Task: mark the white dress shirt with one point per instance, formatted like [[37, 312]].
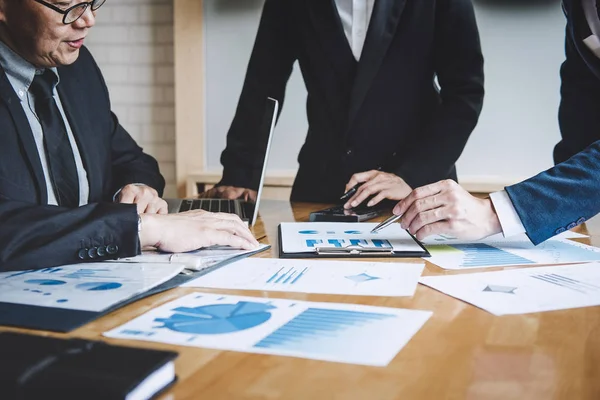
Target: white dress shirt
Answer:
[[355, 16], [509, 219]]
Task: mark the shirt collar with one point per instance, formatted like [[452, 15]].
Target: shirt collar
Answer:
[[19, 71]]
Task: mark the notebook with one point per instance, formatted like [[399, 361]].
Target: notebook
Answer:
[[246, 210], [38, 367]]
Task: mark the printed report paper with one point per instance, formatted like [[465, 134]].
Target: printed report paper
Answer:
[[345, 333], [312, 276], [527, 290]]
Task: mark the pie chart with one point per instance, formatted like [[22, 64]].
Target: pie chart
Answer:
[[98, 286], [45, 282], [215, 319]]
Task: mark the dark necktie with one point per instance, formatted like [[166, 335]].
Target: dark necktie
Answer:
[[59, 154]]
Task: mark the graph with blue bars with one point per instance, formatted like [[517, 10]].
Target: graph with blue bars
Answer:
[[479, 254], [287, 276], [324, 331]]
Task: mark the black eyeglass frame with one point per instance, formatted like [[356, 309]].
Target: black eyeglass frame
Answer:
[[66, 12]]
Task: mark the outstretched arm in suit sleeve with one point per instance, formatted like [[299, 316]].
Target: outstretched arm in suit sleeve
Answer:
[[268, 71], [560, 198], [34, 236], [459, 68]]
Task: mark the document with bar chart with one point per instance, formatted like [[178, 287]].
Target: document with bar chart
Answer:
[[310, 276], [449, 253], [345, 333], [522, 291]]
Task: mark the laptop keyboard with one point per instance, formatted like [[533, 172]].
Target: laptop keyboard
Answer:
[[212, 205]]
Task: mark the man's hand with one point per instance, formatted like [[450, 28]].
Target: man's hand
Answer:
[[445, 207], [192, 230], [145, 197], [231, 193], [380, 185]]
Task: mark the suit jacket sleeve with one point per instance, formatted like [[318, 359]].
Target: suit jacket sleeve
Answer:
[[459, 68], [560, 198], [269, 69], [129, 163], [34, 236]]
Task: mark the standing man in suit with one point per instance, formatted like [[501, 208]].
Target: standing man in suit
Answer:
[[555, 200], [67, 168], [375, 111]]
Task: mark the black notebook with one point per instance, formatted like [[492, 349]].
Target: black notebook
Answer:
[[38, 367]]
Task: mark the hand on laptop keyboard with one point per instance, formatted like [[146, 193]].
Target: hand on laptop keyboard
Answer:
[[231, 193], [192, 230]]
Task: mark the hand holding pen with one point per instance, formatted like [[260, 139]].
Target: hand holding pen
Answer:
[[376, 184]]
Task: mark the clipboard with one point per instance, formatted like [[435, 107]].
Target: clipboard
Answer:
[[353, 251]]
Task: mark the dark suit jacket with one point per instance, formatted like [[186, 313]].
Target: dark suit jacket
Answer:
[[35, 235], [568, 194], [383, 111]]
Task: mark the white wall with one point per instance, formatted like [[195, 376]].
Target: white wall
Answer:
[[133, 45], [523, 47]]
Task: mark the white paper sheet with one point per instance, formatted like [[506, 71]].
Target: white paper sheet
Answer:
[[304, 237], [195, 260], [89, 287], [323, 331], [449, 253], [527, 290], [310, 276]]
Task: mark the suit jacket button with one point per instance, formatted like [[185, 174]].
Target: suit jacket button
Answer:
[[349, 152], [82, 254], [571, 225], [559, 230], [93, 252], [580, 221], [101, 251], [112, 249]]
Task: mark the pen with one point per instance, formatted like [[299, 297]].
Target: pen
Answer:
[[350, 192], [353, 189], [386, 223]]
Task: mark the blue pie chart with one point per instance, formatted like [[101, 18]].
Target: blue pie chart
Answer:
[[45, 282], [217, 318], [98, 286]]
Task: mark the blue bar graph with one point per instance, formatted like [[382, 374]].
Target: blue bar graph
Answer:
[[289, 277], [318, 330], [480, 255]]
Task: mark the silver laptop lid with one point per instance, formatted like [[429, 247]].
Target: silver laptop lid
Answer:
[[264, 147]]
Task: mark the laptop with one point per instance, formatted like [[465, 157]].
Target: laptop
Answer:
[[246, 210]]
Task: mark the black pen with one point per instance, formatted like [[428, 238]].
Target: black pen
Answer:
[[353, 189]]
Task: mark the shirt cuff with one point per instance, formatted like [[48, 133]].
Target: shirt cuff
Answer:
[[509, 219]]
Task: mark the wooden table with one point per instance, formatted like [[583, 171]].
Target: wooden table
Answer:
[[462, 352]]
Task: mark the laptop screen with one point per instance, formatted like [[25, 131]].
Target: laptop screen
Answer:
[[262, 148]]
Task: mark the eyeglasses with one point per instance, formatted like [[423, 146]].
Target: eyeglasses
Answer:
[[72, 14]]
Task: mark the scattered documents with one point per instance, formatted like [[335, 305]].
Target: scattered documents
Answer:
[[197, 260], [87, 287], [307, 237], [496, 251], [528, 290], [323, 331], [310, 276]]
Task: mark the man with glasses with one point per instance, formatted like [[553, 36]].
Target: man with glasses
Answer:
[[554, 201], [67, 168]]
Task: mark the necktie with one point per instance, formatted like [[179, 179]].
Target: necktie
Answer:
[[59, 154]]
